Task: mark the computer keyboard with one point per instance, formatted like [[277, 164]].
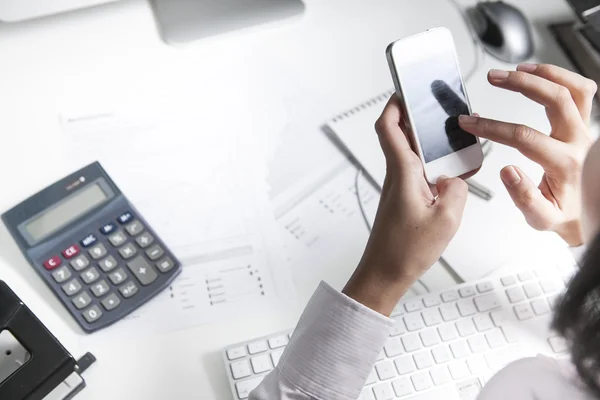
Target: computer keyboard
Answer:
[[452, 340]]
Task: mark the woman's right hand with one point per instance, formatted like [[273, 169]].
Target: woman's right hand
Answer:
[[554, 205]]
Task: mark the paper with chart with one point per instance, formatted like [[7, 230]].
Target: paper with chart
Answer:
[[204, 192]]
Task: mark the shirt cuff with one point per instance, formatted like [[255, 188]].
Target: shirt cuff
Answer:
[[334, 346]]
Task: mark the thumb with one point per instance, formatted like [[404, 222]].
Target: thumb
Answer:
[[452, 197]]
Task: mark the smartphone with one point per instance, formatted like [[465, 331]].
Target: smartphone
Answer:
[[430, 86]]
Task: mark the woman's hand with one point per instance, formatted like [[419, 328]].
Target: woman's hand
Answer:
[[412, 228], [554, 205]]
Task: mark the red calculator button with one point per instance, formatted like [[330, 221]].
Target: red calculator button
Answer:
[[52, 263], [71, 251]]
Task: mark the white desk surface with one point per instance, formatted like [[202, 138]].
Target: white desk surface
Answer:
[[104, 55]]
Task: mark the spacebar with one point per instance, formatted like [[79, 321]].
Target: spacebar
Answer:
[[467, 389]]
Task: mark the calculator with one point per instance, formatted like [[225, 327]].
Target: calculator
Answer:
[[92, 247]]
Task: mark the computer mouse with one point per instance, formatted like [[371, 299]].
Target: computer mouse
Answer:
[[503, 30]]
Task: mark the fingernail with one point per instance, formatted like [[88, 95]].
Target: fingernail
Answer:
[[498, 75], [526, 67], [467, 119], [510, 177]]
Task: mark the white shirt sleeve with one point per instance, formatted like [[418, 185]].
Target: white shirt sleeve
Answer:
[[331, 353]]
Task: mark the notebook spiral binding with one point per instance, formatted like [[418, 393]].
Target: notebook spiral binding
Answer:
[[369, 103]]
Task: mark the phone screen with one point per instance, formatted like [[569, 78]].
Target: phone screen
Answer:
[[435, 97]]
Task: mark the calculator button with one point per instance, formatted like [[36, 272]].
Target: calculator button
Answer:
[[52, 263], [97, 251], [142, 270], [89, 240], [128, 289], [125, 217], [111, 302], [90, 275], [82, 300], [80, 262], [117, 239], [108, 228], [134, 228], [92, 314], [72, 287], [61, 274], [127, 251], [165, 265], [99, 289], [108, 264], [144, 240], [118, 276], [71, 251], [155, 252]]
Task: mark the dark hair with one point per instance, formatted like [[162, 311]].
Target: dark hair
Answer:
[[577, 317]]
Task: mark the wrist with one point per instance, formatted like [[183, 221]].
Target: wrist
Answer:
[[571, 233]]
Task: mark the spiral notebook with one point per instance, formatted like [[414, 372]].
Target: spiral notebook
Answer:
[[492, 233]]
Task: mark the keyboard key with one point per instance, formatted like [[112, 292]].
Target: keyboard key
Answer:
[[423, 359], [499, 317], [540, 307], [477, 365], [128, 251], [483, 322], [92, 314], [134, 228], [495, 338], [97, 252], [421, 381], [510, 334], [82, 300], [440, 376], [118, 276], [404, 365], [550, 285], [80, 262], [515, 294], [478, 344], [144, 240], [441, 354], [385, 370], [62, 274], [108, 228], [460, 349], [372, 378], [402, 387], [485, 287], [111, 302], [155, 252], [236, 352], [88, 241], [125, 217], [532, 290], [276, 356], [398, 310], [466, 307], [429, 337], [448, 332], [52, 262], [459, 370], [413, 322], [128, 290], [257, 347], [143, 271], [413, 305], [449, 312], [449, 296], [398, 328], [117, 239], [278, 341], [366, 394], [525, 276], [108, 264], [244, 388], [431, 300], [523, 311], [487, 302], [383, 391], [393, 347], [261, 364], [508, 280], [467, 291], [70, 251], [240, 369], [165, 265], [72, 287], [466, 327], [558, 344], [99, 289], [432, 317], [90, 275], [411, 342]]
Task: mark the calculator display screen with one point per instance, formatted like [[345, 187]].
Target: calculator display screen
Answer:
[[66, 211]]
